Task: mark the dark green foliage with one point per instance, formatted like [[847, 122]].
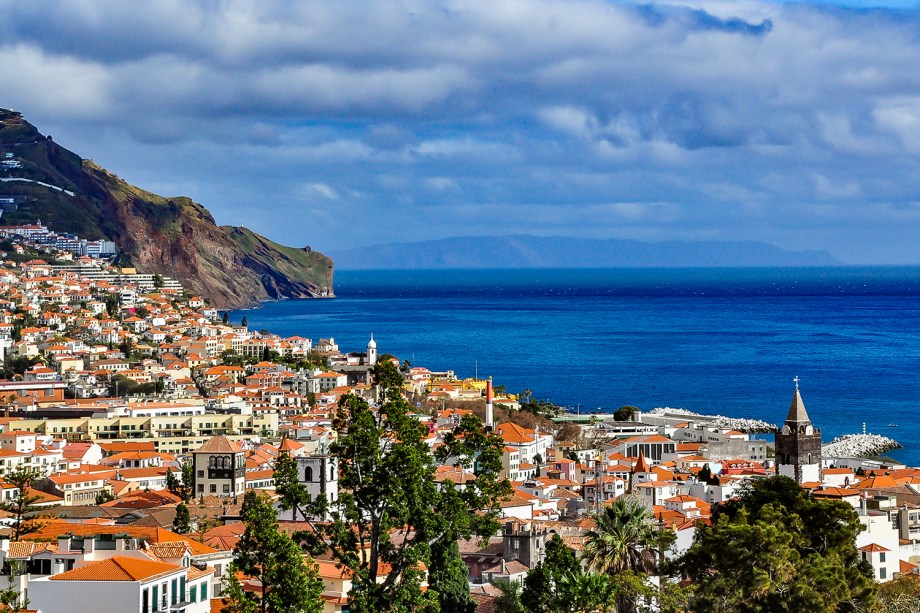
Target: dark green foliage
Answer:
[[776, 548], [104, 496], [448, 576], [510, 599], [290, 584], [538, 408], [234, 599], [181, 488], [391, 507], [22, 508], [388, 377], [182, 524], [625, 413], [551, 585]]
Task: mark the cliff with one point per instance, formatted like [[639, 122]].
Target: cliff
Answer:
[[230, 266]]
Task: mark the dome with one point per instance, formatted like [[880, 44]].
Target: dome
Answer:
[[372, 344]]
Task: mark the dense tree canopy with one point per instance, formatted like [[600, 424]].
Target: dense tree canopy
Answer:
[[776, 548], [392, 519], [289, 583]]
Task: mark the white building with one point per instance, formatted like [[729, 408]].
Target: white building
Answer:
[[123, 584]]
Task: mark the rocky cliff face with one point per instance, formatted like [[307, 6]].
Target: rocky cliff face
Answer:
[[232, 267]]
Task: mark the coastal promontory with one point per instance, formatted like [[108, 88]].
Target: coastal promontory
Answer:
[[173, 236]]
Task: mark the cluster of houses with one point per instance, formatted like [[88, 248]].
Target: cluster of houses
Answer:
[[229, 400], [63, 246]]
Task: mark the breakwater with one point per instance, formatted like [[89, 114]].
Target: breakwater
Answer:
[[742, 424], [859, 446]]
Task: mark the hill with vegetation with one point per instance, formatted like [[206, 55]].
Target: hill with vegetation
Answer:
[[173, 236]]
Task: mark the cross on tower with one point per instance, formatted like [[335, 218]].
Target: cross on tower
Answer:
[[796, 379]]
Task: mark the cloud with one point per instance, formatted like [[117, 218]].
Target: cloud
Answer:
[[413, 118]]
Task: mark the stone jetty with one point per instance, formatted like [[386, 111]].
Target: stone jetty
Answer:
[[859, 446], [741, 424]]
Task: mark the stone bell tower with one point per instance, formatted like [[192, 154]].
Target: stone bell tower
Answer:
[[798, 444]]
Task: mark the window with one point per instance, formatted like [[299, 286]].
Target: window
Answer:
[[204, 591], [175, 592], [156, 597], [881, 556], [883, 573], [308, 474], [201, 474], [226, 488], [213, 488]]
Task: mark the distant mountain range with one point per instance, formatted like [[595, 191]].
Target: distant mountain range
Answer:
[[525, 251]]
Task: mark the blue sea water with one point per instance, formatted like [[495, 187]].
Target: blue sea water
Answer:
[[725, 341]]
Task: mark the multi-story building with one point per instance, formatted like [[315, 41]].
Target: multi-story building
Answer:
[[169, 433], [219, 468]]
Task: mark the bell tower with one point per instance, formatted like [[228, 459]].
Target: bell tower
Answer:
[[798, 444], [371, 351]]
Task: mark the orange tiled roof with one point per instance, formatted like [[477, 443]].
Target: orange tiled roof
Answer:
[[119, 568]]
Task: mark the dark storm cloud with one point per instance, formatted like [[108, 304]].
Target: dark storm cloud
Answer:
[[376, 121]]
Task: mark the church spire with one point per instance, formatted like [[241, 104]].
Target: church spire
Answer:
[[641, 466], [797, 408]]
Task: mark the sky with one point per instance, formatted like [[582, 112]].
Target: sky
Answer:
[[347, 124]]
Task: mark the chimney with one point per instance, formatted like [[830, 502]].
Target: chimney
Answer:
[[489, 417]]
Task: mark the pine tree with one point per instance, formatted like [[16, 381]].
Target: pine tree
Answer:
[[22, 508], [234, 598], [183, 522], [181, 488], [290, 584], [775, 548], [391, 517]]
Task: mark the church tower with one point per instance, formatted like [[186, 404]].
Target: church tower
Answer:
[[798, 444], [371, 351]]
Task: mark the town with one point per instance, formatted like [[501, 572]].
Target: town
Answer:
[[138, 421]]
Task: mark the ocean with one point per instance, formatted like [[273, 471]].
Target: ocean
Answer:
[[725, 341]]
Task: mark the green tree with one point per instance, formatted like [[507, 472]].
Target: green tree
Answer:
[[388, 378], [158, 281], [391, 516], [776, 548], [104, 496], [127, 347], [510, 599], [289, 583], [225, 318], [625, 413], [22, 509], [10, 597], [901, 595], [551, 585], [448, 577], [182, 485], [182, 524], [120, 385], [245, 321], [234, 598], [622, 540]]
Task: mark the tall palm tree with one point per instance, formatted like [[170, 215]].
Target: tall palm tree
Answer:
[[623, 539]]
